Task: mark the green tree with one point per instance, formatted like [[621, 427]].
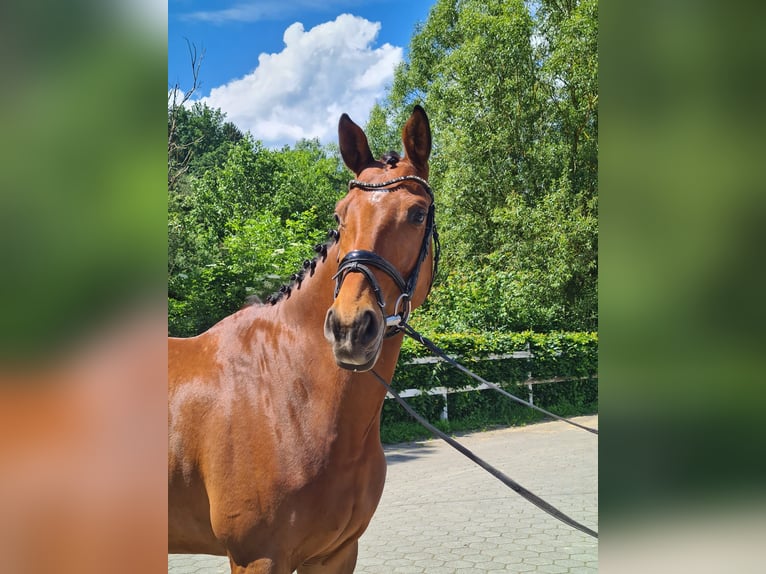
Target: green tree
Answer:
[[199, 138], [308, 176], [511, 90], [240, 226], [381, 136]]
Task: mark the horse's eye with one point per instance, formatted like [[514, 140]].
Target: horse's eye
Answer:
[[337, 218], [418, 216]]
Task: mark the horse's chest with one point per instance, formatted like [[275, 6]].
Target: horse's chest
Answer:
[[335, 490], [311, 507], [339, 505]]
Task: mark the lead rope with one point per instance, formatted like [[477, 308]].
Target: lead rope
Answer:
[[508, 481]]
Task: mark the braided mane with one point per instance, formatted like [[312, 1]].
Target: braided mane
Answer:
[[309, 265]]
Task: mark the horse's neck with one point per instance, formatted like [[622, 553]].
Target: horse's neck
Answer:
[[353, 399]]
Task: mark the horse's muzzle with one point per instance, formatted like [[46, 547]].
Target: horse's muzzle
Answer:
[[356, 341]]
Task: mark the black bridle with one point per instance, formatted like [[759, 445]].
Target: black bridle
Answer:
[[361, 261]]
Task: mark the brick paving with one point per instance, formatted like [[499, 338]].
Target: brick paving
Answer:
[[441, 514]]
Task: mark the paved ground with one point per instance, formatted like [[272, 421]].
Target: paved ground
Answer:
[[441, 514]]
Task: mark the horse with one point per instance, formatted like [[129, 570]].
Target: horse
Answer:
[[274, 448]]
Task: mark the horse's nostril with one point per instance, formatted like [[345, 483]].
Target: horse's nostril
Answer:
[[331, 327], [368, 327]]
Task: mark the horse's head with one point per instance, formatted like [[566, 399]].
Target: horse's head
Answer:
[[386, 227]]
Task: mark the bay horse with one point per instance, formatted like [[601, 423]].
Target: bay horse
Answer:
[[274, 450]]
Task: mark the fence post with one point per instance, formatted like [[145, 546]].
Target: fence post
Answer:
[[529, 376], [445, 414]]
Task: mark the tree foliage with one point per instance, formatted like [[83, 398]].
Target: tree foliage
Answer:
[[201, 136], [511, 89]]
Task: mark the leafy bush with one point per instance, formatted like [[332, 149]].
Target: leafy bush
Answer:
[[560, 354]]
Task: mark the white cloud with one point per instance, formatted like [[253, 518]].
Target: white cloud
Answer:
[[301, 91]]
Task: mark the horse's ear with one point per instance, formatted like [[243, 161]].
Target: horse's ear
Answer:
[[353, 145], [416, 137]]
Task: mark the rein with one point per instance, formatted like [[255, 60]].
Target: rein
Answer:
[[505, 479], [361, 260]]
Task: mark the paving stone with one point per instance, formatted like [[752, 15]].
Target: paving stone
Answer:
[[428, 564], [486, 565], [475, 548], [524, 568], [446, 569], [569, 563], [479, 546], [462, 564], [539, 561], [538, 548], [581, 556], [393, 562], [552, 569], [556, 555]]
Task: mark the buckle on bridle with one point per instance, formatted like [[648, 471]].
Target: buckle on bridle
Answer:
[[400, 317]]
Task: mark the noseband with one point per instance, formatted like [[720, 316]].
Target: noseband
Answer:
[[360, 260]]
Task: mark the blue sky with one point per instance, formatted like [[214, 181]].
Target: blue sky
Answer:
[[339, 57]]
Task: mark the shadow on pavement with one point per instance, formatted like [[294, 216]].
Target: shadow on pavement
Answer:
[[408, 451]]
